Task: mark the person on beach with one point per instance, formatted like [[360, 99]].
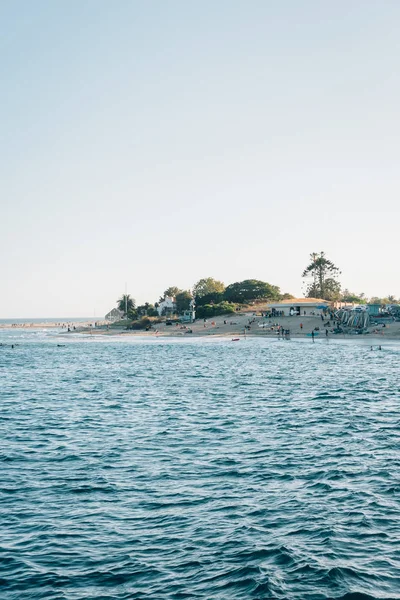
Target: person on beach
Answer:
[[312, 335], [301, 325], [326, 332]]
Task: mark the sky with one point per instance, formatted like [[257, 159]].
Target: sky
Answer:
[[153, 143]]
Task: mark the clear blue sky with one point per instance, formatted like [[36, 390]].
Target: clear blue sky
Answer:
[[161, 141]]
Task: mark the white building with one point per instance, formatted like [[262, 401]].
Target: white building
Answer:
[[114, 315], [299, 306], [167, 307]]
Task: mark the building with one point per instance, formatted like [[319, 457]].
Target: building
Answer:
[[114, 315], [299, 306], [189, 316], [374, 309], [166, 307]]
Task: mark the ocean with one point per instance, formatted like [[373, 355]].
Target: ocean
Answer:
[[46, 320], [144, 468]]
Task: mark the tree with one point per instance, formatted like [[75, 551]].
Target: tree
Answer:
[[348, 296], [286, 296], [183, 301], [171, 292], [133, 314], [212, 310], [376, 300], [146, 310], [251, 289], [213, 298], [323, 272], [207, 286], [126, 303], [332, 290]]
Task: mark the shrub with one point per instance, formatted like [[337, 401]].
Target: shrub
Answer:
[[213, 310], [143, 323], [212, 298], [119, 324]]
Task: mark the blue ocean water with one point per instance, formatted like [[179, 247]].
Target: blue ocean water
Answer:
[[170, 469]]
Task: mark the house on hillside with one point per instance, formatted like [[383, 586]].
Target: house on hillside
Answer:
[[167, 307], [299, 306], [114, 315]]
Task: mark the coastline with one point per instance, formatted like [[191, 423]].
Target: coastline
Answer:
[[240, 335], [47, 324], [300, 327]]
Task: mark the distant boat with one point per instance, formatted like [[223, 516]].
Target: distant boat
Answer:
[[235, 339]]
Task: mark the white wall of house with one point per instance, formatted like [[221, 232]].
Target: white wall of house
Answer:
[[300, 307], [168, 304]]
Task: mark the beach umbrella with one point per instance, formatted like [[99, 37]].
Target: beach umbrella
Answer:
[[322, 306]]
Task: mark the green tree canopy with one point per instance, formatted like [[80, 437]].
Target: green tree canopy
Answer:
[[171, 292], [207, 286], [126, 303], [212, 310], [183, 300], [376, 300], [133, 314], [387, 300], [348, 296], [323, 274], [146, 310], [250, 289], [213, 298], [286, 296]]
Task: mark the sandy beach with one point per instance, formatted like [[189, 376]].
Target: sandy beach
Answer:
[[234, 326]]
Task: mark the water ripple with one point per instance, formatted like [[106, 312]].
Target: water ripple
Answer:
[[199, 469]]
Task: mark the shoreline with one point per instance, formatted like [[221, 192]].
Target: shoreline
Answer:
[[236, 334], [51, 325], [239, 325]]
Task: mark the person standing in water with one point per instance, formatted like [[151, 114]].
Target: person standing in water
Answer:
[[312, 335]]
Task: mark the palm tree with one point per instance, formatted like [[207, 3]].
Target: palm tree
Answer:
[[126, 303]]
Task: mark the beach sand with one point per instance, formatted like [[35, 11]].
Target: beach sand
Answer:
[[235, 327]]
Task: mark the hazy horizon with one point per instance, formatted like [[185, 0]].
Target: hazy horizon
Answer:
[[159, 143]]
